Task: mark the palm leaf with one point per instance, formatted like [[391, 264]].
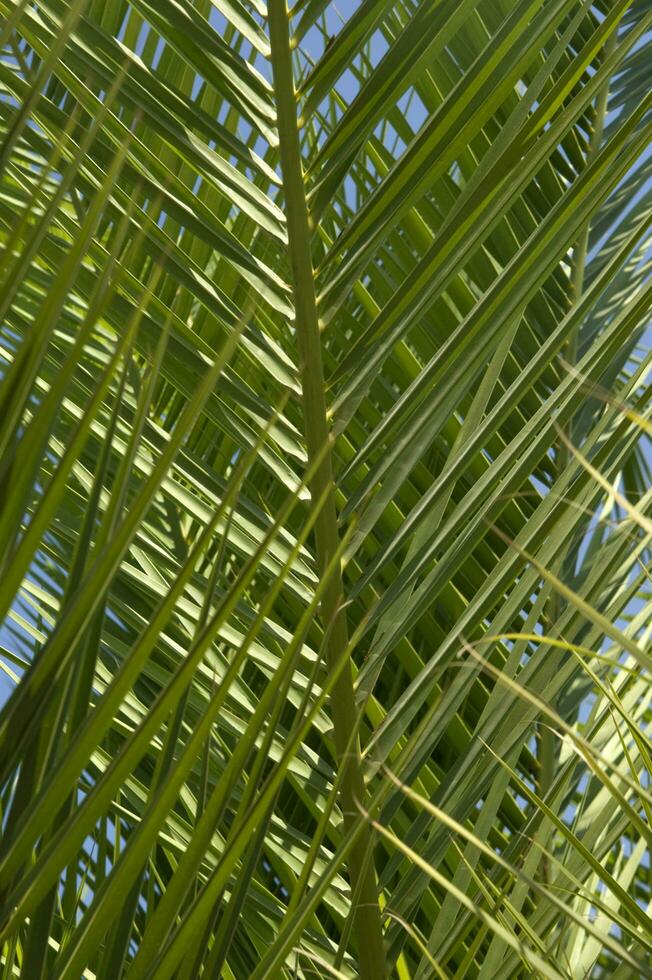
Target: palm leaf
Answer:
[[325, 489]]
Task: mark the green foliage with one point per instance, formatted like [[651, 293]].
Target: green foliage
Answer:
[[325, 499]]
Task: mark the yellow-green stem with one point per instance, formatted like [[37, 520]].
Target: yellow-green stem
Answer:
[[367, 926]]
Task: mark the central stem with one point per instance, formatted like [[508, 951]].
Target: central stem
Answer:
[[367, 927]]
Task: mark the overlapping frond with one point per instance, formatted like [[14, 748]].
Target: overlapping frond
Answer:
[[325, 488]]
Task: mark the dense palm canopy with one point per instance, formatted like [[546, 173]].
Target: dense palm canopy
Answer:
[[325, 502]]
